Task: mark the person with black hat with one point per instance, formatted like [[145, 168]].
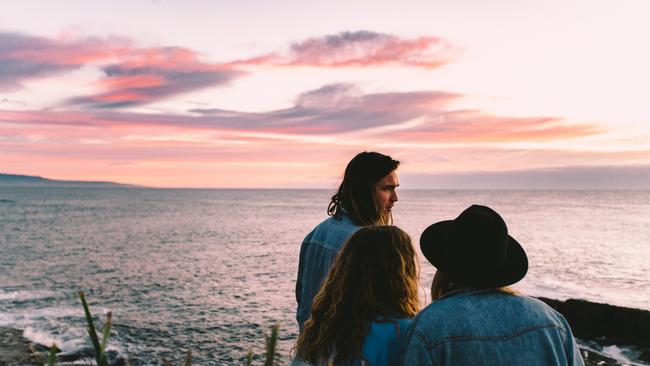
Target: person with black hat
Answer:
[[365, 198], [474, 318]]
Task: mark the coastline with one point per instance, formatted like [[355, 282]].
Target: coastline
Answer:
[[607, 335], [14, 351]]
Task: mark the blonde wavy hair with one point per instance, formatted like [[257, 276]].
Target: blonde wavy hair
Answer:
[[374, 275]]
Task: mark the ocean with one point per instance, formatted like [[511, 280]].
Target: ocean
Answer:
[[213, 270]]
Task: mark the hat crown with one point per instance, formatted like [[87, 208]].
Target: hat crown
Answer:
[[480, 233]]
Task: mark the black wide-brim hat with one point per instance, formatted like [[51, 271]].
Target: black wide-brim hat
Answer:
[[475, 249]]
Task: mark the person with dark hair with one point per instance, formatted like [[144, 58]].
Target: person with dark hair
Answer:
[[365, 197], [475, 319], [365, 303]]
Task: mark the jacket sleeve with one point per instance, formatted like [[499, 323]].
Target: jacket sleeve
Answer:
[[315, 263], [573, 354], [301, 269]]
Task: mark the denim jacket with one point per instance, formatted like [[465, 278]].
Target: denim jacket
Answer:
[[317, 254], [486, 327]]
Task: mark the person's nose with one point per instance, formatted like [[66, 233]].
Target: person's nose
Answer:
[[393, 197]]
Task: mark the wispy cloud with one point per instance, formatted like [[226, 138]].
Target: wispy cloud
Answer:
[[150, 75], [24, 57], [131, 75], [413, 117], [476, 126], [422, 116], [361, 49], [337, 108]]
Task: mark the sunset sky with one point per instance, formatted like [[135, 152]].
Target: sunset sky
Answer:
[[467, 94]]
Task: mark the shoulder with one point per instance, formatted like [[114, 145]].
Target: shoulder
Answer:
[[483, 312], [331, 233], [336, 227], [541, 308], [546, 311]]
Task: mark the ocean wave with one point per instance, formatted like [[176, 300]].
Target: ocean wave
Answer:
[[43, 337], [28, 317], [23, 295], [5, 320], [72, 341]]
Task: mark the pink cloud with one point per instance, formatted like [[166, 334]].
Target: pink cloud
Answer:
[[362, 49], [340, 108], [25, 57], [135, 81], [475, 126], [148, 75], [145, 74], [330, 111]]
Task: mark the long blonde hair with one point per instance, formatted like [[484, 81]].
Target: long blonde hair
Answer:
[[374, 275]]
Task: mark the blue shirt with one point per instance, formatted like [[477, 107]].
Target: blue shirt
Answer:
[[381, 346], [317, 253], [486, 327]]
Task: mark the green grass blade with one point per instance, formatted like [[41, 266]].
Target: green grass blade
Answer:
[[51, 358], [101, 361], [107, 330], [271, 344], [249, 358]]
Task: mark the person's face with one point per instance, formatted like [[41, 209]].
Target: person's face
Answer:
[[385, 194]]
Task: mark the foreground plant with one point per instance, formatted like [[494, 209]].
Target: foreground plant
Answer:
[[100, 348], [51, 354], [271, 345], [101, 358]]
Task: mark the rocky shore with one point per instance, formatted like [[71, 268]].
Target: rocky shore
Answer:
[[600, 324], [14, 351], [609, 324]]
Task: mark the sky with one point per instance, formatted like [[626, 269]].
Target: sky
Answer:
[[282, 94]]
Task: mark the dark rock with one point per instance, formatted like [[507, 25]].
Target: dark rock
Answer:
[[592, 320], [14, 349], [608, 324]]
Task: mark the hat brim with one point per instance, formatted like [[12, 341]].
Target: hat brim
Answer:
[[435, 241]]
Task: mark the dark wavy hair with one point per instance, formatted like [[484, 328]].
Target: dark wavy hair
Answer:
[[356, 194], [374, 275]]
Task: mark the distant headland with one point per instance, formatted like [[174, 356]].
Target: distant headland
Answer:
[[15, 180]]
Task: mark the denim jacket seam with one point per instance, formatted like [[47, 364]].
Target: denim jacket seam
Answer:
[[422, 335], [325, 247], [313, 240], [432, 345]]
